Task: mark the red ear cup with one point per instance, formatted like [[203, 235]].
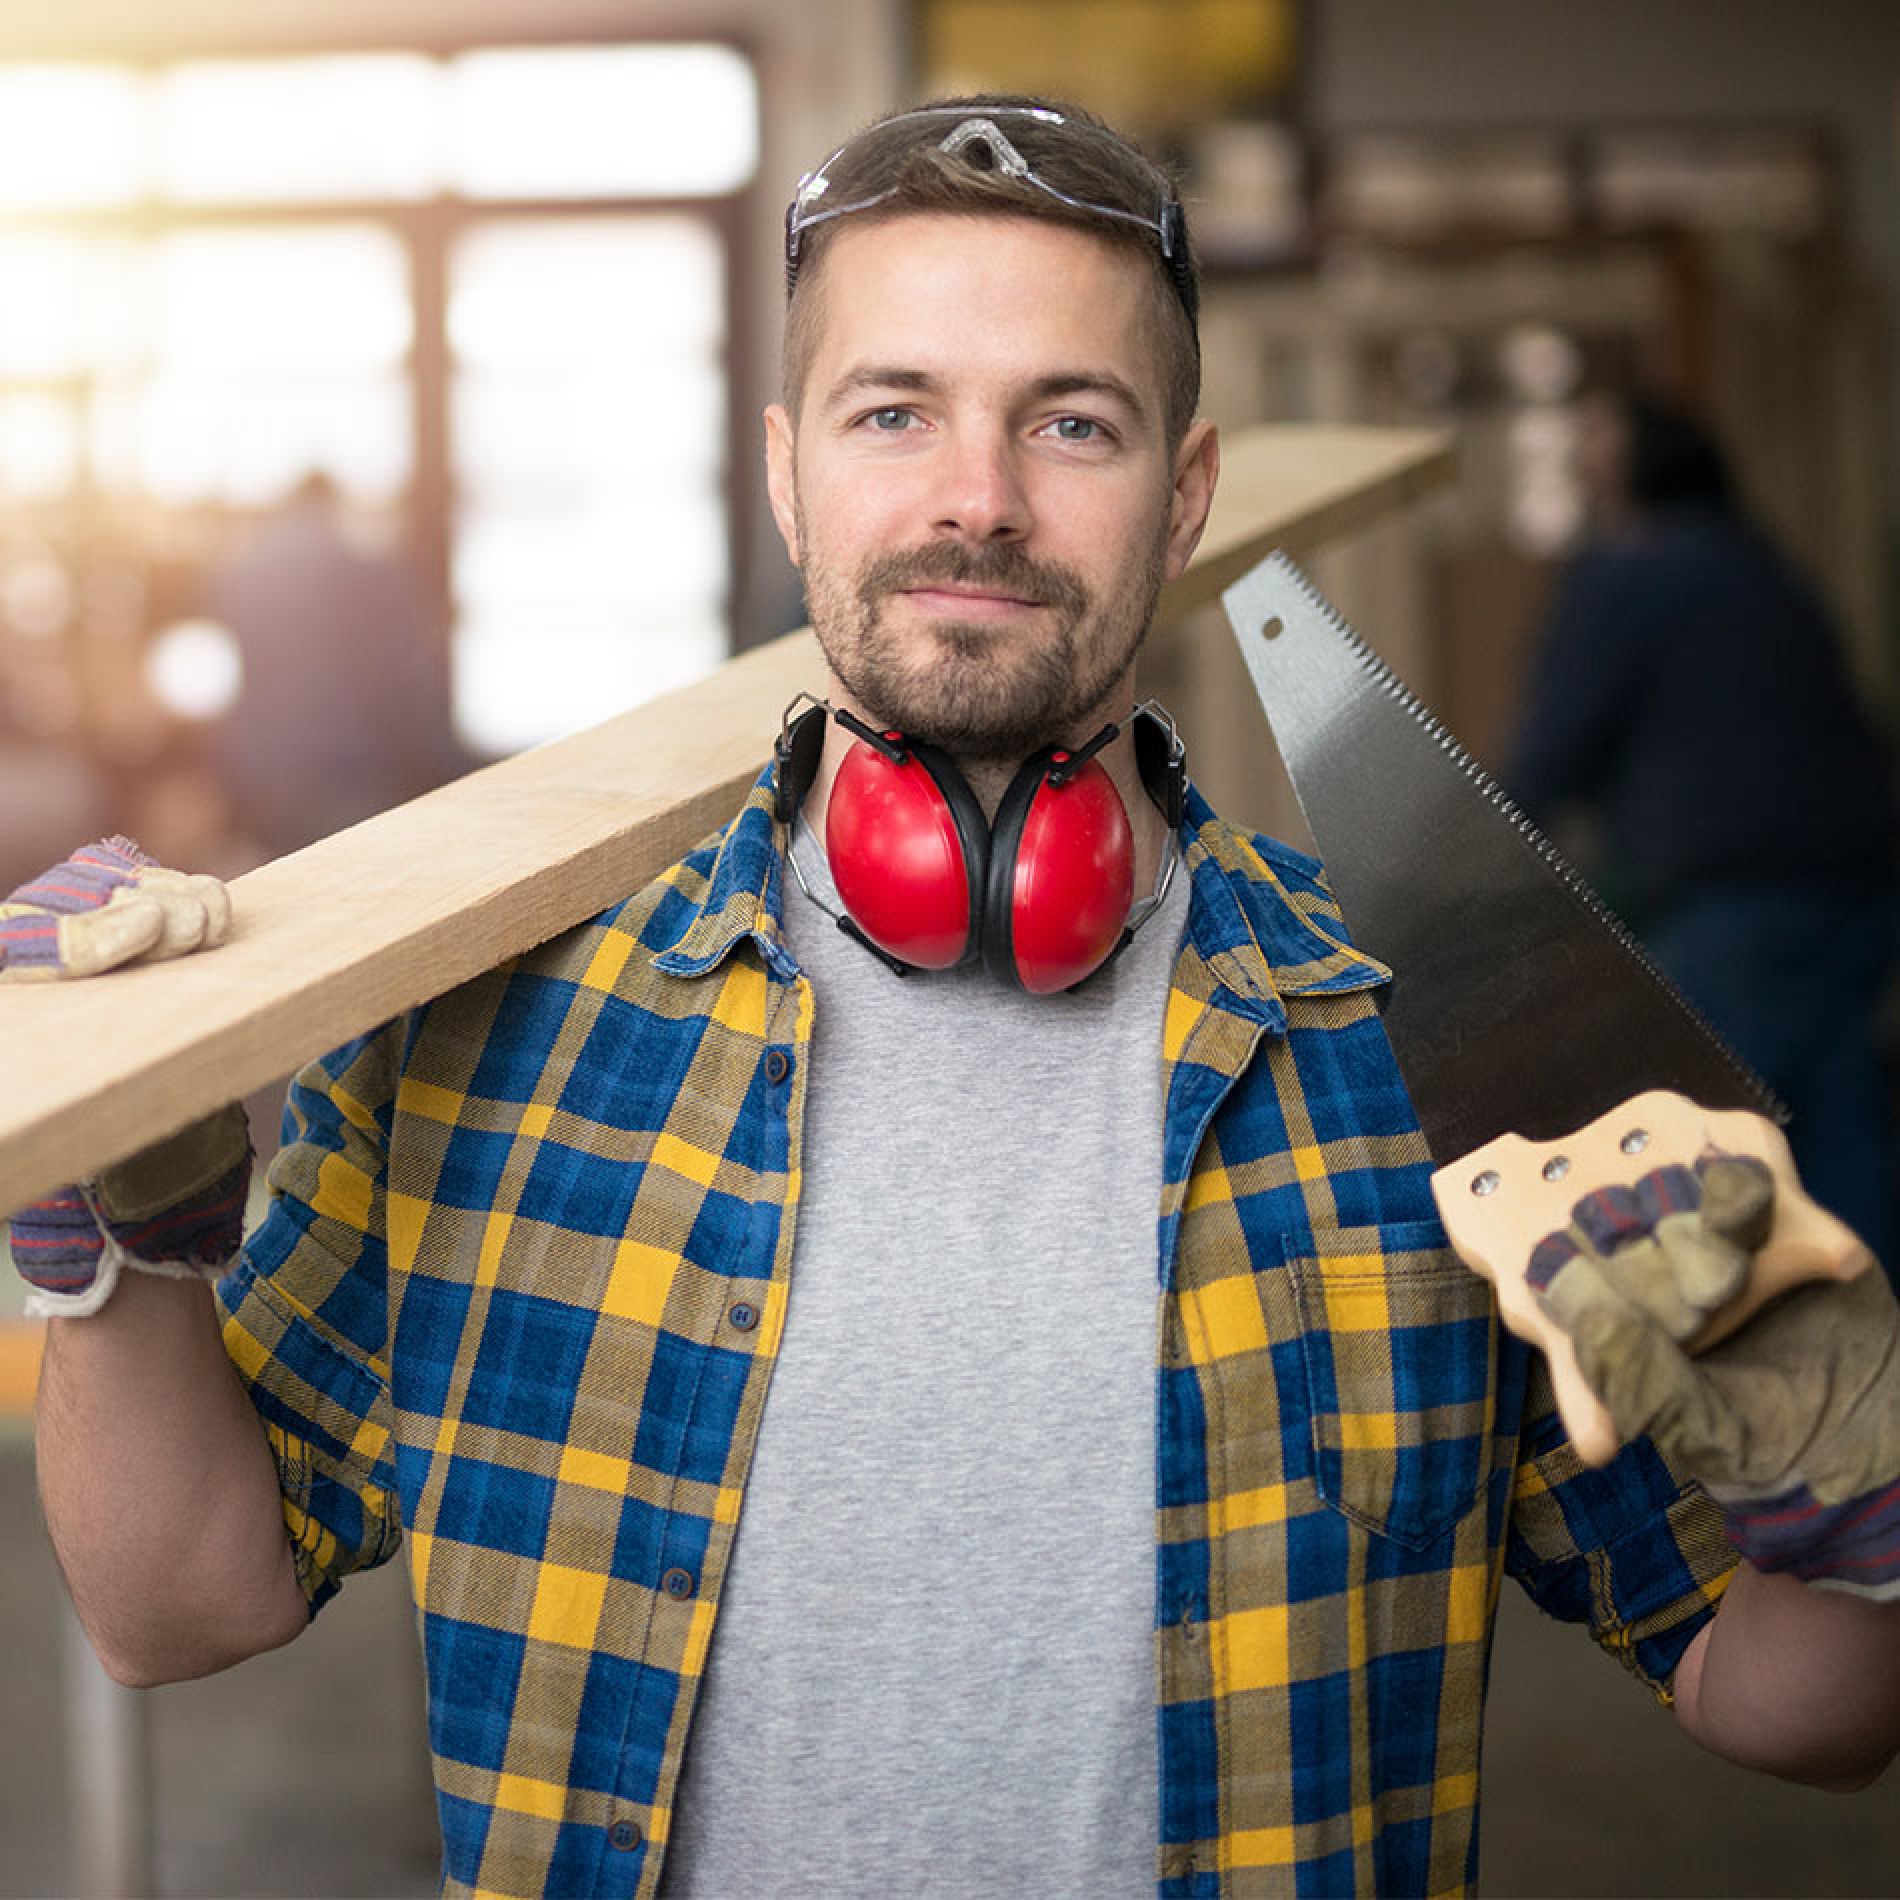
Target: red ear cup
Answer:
[[1061, 877], [908, 848]]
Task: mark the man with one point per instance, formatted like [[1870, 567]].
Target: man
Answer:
[[342, 709], [862, 1435], [1691, 692]]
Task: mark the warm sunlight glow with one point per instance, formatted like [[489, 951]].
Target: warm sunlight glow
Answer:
[[68, 305], [39, 445], [71, 137], [489, 287], [257, 297], [275, 349], [603, 122], [663, 121], [246, 440], [590, 436], [264, 131]]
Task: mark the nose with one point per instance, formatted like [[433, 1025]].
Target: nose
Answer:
[[980, 494]]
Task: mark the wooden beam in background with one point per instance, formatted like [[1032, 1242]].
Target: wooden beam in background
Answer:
[[338, 937]]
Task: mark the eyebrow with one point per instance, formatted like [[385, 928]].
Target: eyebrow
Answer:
[[1093, 383], [871, 378]]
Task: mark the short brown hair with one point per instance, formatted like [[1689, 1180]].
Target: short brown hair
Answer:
[[944, 156]]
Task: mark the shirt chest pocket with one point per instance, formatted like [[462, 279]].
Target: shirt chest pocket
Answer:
[[1399, 1346]]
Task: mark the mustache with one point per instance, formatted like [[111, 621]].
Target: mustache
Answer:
[[1003, 567]]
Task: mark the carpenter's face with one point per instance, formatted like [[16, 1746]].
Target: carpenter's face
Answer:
[[979, 487]]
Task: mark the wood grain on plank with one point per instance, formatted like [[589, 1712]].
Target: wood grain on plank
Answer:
[[334, 939]]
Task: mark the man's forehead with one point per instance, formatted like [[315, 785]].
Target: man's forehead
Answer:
[[957, 286], [874, 239]]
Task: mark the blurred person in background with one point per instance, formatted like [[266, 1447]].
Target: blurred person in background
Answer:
[[343, 710], [1690, 695]]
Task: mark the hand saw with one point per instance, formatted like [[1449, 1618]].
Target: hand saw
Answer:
[[1544, 1052]]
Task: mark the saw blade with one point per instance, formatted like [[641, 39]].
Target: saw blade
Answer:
[[1519, 1002]]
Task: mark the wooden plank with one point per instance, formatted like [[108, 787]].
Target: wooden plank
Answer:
[[21, 1341], [1297, 486], [338, 937]]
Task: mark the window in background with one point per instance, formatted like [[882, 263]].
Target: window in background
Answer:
[[588, 380], [275, 350], [39, 444], [488, 290], [205, 366], [590, 571], [71, 304], [70, 137], [284, 131], [602, 122]]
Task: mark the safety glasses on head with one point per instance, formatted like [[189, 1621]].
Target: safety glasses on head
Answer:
[[865, 172]]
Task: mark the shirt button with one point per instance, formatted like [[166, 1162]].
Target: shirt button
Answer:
[[742, 1316], [677, 1583], [778, 1065], [624, 1835]]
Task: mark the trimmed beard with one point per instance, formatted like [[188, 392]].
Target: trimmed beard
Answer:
[[979, 692]]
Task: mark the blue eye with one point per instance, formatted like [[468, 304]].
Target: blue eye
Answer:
[[890, 421], [1077, 428]]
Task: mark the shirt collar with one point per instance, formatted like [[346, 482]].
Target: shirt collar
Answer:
[[1263, 920], [745, 895]]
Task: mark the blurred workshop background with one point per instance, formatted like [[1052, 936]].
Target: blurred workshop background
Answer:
[[379, 384]]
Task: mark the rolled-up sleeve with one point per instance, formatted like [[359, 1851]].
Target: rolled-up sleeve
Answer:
[[306, 1316], [1631, 1549]]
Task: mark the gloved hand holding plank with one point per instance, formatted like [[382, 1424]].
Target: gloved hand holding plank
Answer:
[[103, 906]]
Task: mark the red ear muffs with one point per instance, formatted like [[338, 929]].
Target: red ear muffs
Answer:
[[1042, 897]]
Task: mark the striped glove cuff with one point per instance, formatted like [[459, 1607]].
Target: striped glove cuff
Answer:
[[174, 1209]]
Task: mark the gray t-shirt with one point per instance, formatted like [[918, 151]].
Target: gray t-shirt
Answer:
[[933, 1670]]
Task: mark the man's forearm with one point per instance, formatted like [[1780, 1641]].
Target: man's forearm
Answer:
[[159, 1488], [1797, 1681]]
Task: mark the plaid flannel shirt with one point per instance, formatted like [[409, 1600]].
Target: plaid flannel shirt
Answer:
[[517, 1302]]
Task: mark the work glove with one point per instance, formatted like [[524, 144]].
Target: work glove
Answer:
[[103, 906], [1792, 1422], [175, 1209]]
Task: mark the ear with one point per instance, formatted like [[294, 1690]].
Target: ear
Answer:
[[781, 480], [1196, 469]]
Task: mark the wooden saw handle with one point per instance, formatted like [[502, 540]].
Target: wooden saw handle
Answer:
[[1498, 1201]]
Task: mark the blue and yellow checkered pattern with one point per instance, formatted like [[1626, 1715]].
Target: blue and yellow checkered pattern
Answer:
[[519, 1295]]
